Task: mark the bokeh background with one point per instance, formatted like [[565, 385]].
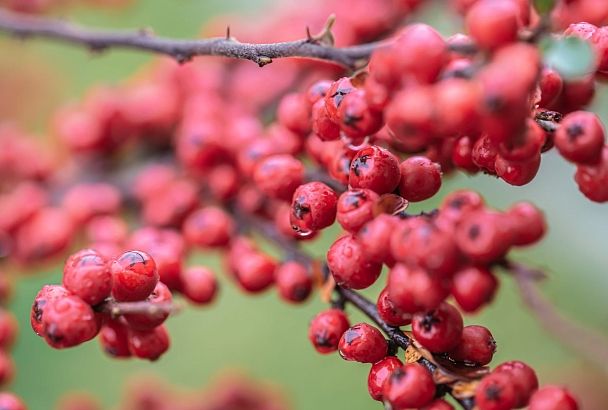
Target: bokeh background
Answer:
[[261, 335]]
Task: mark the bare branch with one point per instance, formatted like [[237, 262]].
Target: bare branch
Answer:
[[116, 309]]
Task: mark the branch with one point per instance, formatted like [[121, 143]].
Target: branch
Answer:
[[116, 309], [315, 47]]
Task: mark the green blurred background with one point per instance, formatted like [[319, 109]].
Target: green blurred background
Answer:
[[260, 335]]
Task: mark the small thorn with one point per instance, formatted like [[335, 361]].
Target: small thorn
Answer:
[[227, 32], [309, 37], [263, 60], [182, 58], [146, 32]]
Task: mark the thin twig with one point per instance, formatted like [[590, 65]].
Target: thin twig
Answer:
[[116, 309], [24, 26]]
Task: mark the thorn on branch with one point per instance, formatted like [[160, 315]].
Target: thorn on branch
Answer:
[[325, 36], [263, 60], [228, 33], [146, 32], [182, 58]]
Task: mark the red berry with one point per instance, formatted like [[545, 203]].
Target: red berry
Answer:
[[473, 287], [199, 285], [293, 112], [363, 343], [496, 392], [375, 168], [294, 282], [456, 104], [523, 146], [314, 207], [149, 344], [439, 330], [154, 317], [528, 223], [8, 329], [517, 173], [255, 272], [114, 340], [523, 378], [278, 176], [84, 201], [326, 329], [349, 266], [553, 398], [357, 119], [87, 275], [322, 125], [107, 229], [592, 180], [68, 321], [551, 85], [484, 154], [412, 289], [599, 40], [410, 118], [476, 346], [484, 236], [580, 137], [379, 374], [410, 386], [355, 208], [420, 53], [7, 368], [335, 96], [438, 404], [493, 23], [134, 276], [375, 237], [318, 90], [420, 179], [208, 227], [462, 154], [391, 314], [458, 203], [46, 295], [9, 401]]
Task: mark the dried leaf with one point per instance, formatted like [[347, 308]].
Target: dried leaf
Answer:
[[327, 289], [464, 390], [359, 77], [389, 204], [412, 354]]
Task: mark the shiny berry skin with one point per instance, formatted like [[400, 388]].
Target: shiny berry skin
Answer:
[[599, 40], [458, 203], [107, 229], [379, 374], [318, 90], [8, 329], [313, 207], [525, 145], [7, 368], [523, 378], [199, 285], [278, 176], [294, 282], [349, 266], [493, 23], [390, 313], [439, 330], [484, 154], [420, 179], [410, 386], [146, 321], [476, 346], [69, 321], [473, 287], [255, 272], [484, 236], [592, 180], [149, 344], [355, 208], [580, 137], [46, 295], [517, 173], [551, 85], [363, 343], [208, 227], [412, 289], [420, 53], [462, 155], [375, 237], [357, 119], [528, 223], [374, 168], [322, 125], [294, 113], [134, 276], [335, 95], [553, 398], [8, 401], [326, 329], [496, 392], [438, 404], [114, 340], [87, 275]]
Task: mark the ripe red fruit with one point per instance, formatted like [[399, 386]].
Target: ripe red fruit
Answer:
[[149, 344], [599, 40], [278, 176], [68, 321], [473, 287], [357, 119], [208, 227], [525, 145], [161, 295], [363, 343], [134, 276], [9, 401], [410, 386], [391, 314], [592, 180], [439, 330], [335, 96], [484, 236], [551, 85], [517, 173], [375, 237], [462, 154], [318, 90], [322, 125], [294, 282], [553, 398], [528, 223], [355, 208], [113, 338], [412, 289], [484, 154], [255, 272], [349, 266], [374, 168], [523, 378], [420, 53], [458, 203], [7, 368], [493, 23], [107, 229], [46, 295], [420, 179], [496, 392], [580, 137], [476, 346], [410, 118], [379, 374], [87, 275], [313, 207], [456, 102], [326, 329], [8, 329], [199, 285], [293, 112]]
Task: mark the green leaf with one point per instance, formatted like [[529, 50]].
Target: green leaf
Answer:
[[570, 56], [544, 6]]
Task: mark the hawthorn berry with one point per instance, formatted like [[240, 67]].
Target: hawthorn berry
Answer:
[[496, 392], [208, 227], [7, 368], [278, 176], [68, 321], [553, 398], [199, 285], [294, 282], [375, 237], [523, 378], [46, 295], [580, 137], [255, 272], [355, 208], [473, 287], [356, 118], [528, 223], [592, 180], [87, 275], [379, 374], [313, 207], [363, 343], [484, 236], [412, 289], [493, 23], [294, 113], [148, 344], [391, 314], [374, 168], [525, 145], [349, 266], [517, 173], [420, 53], [326, 329], [456, 204], [476, 346], [114, 340], [322, 125], [420, 179], [439, 330], [154, 317], [9, 401], [134, 276], [8, 329], [409, 386], [335, 96]]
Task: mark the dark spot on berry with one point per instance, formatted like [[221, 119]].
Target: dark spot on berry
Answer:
[[398, 374], [37, 308], [358, 163], [339, 95], [474, 232], [493, 392], [352, 120], [299, 292], [351, 335], [300, 208], [323, 340], [574, 131], [51, 333], [494, 103], [429, 320]]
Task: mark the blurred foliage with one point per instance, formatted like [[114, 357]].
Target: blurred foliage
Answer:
[[259, 334]]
